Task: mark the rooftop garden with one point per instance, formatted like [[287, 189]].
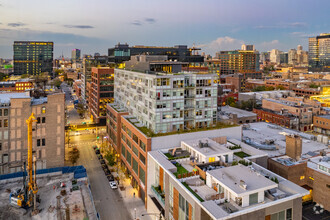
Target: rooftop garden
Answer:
[[170, 157], [180, 170], [193, 192], [241, 154], [150, 133], [234, 147]]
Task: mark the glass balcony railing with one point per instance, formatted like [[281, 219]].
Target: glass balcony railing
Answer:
[[159, 195]]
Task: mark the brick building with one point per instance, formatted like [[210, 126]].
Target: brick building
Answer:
[[321, 124], [280, 118], [101, 92]]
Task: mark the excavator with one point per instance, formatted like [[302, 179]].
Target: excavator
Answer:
[[26, 197]]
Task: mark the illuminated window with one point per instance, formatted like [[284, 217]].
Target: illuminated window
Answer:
[[43, 110], [302, 177]]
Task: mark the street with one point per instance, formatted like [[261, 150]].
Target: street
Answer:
[[108, 202]]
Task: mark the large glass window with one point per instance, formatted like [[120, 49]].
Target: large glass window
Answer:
[[142, 145], [136, 139], [135, 166], [123, 150], [142, 175], [5, 113], [142, 159], [253, 198], [129, 158], [136, 151]]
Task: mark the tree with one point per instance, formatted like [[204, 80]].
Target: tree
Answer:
[[74, 155], [3, 76], [23, 76], [111, 158], [58, 72], [230, 101], [280, 87], [313, 86], [81, 109]]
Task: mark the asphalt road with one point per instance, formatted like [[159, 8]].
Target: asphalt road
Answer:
[[108, 202]]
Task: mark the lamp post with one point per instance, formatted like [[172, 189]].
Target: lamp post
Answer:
[[135, 213], [156, 214]]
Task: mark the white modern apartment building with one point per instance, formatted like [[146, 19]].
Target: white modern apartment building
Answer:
[[165, 102]]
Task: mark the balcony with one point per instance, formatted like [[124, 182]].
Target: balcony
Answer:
[[159, 195]]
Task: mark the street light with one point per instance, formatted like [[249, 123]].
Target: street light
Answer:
[[156, 214]]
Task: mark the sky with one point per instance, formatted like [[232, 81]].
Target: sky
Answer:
[[214, 25]]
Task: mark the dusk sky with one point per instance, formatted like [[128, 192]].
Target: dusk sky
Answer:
[[213, 25]]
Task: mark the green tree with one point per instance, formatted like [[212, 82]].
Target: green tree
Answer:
[[230, 101], [313, 86], [111, 158], [74, 155], [81, 109], [58, 72], [280, 87], [23, 76], [3, 76]]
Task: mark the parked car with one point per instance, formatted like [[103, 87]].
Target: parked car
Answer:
[[100, 157], [77, 133], [94, 147], [107, 171], [110, 178], [102, 161], [97, 151], [104, 167], [113, 185]]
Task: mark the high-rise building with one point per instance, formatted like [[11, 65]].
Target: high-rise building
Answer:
[[101, 92], [48, 132], [123, 52], [292, 56], [275, 56], [284, 57], [33, 57], [319, 53], [238, 61], [75, 55]]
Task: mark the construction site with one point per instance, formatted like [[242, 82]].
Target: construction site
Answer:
[[63, 193], [60, 193]]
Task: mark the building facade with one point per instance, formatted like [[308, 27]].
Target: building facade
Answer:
[[33, 57], [101, 92], [238, 61], [48, 134], [318, 52], [123, 52], [321, 124], [168, 102]]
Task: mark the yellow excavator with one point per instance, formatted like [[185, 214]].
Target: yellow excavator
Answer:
[[27, 196]]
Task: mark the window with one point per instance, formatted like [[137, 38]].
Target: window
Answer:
[[142, 175], [142, 159], [5, 123], [43, 120], [123, 150], [0, 112], [136, 139], [142, 146], [0, 123], [43, 110], [128, 143], [43, 142], [5, 113], [38, 142], [135, 150], [129, 132], [38, 120], [0, 146], [253, 198], [135, 166], [129, 158]]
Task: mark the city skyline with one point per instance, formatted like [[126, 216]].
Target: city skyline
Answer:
[[212, 25]]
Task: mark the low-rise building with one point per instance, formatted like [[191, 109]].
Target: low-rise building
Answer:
[[321, 124], [235, 115], [48, 134], [186, 189]]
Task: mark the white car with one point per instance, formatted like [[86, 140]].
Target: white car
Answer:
[[77, 133], [113, 185]]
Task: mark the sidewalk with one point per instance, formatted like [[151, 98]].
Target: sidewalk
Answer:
[[130, 201]]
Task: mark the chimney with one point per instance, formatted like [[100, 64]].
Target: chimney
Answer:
[[293, 146]]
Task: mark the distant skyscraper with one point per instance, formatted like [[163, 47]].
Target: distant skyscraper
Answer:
[[292, 56], [97, 54], [75, 54], [319, 52], [33, 57], [275, 56]]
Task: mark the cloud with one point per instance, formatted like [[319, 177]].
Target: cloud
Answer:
[[136, 23], [150, 20], [18, 24], [268, 45], [303, 34], [221, 43], [79, 26], [283, 26]]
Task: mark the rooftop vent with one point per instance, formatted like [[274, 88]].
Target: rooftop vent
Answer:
[[242, 184]]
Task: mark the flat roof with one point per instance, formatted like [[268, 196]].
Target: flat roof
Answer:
[[213, 148], [258, 132], [6, 96], [231, 177], [162, 160], [239, 112], [324, 116]]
